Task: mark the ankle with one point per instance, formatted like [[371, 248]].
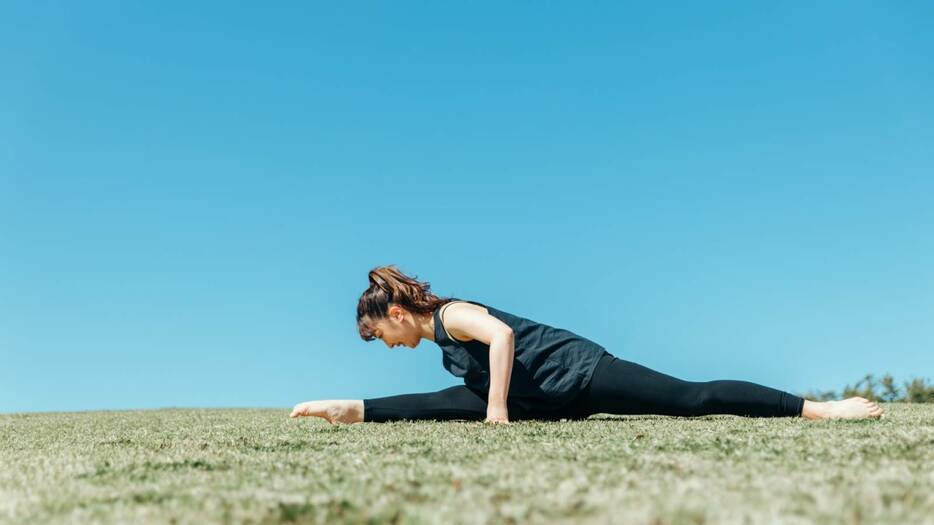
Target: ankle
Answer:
[[355, 411], [346, 411], [814, 409]]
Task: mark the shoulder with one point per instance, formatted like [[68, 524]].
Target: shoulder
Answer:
[[466, 322]]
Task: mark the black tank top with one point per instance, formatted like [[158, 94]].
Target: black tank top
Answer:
[[551, 366]]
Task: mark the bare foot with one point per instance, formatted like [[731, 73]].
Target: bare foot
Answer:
[[850, 408], [335, 411]]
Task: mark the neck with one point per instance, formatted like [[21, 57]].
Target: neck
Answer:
[[426, 327]]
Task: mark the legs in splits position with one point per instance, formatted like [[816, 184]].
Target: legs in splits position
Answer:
[[617, 387]]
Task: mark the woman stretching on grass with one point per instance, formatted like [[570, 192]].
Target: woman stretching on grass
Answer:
[[517, 368]]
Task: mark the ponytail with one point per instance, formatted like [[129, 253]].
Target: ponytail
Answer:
[[388, 286]]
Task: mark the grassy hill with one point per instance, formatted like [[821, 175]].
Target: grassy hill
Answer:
[[258, 466]]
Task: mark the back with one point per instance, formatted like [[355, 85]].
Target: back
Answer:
[[551, 367]]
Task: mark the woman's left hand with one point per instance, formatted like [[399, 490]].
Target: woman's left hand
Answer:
[[497, 415]]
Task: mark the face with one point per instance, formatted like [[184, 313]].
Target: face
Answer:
[[398, 328]]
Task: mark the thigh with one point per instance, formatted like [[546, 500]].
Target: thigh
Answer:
[[453, 403], [456, 402], [623, 387]]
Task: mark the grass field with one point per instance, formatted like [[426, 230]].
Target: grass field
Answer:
[[258, 466]]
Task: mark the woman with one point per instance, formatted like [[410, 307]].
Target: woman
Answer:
[[517, 368]]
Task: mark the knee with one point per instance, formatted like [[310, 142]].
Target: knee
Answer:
[[706, 397]]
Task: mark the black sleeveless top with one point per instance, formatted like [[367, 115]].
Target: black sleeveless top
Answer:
[[551, 365]]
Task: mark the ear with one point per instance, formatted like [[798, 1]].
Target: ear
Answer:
[[396, 312]]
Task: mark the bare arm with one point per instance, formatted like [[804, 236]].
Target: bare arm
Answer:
[[502, 352], [467, 324]]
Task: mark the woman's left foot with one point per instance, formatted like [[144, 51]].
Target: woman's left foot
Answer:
[[335, 411], [850, 408]]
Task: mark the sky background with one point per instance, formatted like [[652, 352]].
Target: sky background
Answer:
[[191, 196]]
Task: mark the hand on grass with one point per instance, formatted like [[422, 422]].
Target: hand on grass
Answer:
[[497, 415]]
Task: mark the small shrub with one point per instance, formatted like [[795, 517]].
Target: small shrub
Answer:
[[885, 389], [918, 392]]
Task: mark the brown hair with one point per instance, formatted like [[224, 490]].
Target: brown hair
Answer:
[[389, 285]]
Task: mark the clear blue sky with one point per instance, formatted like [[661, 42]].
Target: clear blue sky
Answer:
[[191, 195]]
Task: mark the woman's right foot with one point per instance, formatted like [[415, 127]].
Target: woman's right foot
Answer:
[[335, 411], [850, 408]]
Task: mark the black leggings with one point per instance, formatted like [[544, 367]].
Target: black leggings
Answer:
[[617, 387]]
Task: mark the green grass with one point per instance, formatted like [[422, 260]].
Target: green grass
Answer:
[[258, 466]]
